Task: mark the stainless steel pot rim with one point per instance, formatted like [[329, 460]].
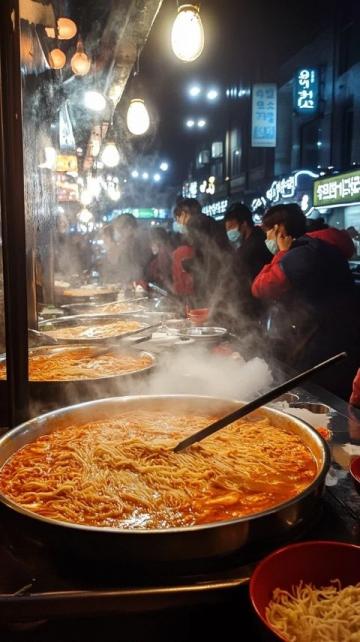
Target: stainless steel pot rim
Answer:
[[104, 319], [141, 533], [126, 351]]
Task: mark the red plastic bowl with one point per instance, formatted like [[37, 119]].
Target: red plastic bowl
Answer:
[[315, 562], [355, 472]]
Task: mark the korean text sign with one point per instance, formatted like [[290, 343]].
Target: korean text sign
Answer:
[[341, 189], [306, 90], [264, 110]]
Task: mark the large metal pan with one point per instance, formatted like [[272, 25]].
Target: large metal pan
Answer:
[[98, 294], [182, 545], [66, 322], [94, 308], [63, 392]]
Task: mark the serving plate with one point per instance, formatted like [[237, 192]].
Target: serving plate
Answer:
[[184, 328]]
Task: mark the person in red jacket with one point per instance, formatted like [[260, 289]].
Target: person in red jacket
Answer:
[[309, 281], [355, 393]]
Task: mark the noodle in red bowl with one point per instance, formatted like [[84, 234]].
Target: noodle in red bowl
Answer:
[[309, 591]]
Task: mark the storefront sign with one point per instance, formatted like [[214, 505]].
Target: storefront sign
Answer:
[[306, 90], [208, 186], [288, 188], [264, 108], [339, 190], [190, 190], [141, 212], [258, 203], [216, 209], [296, 188], [67, 190], [66, 163]]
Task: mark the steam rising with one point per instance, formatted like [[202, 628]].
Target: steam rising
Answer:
[[201, 373], [191, 371]]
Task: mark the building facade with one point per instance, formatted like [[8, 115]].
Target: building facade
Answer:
[[317, 134]]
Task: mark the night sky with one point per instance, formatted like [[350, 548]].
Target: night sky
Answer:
[[246, 40]]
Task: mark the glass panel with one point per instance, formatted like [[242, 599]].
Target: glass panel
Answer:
[[3, 395]]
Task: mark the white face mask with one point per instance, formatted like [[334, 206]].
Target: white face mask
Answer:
[[272, 246]]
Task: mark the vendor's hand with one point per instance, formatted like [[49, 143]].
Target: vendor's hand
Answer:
[[284, 242]]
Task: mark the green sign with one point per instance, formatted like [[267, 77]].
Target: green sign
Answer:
[[141, 212], [342, 189]]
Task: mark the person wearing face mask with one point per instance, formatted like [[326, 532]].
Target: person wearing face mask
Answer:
[[249, 256], [315, 310], [159, 270], [185, 210]]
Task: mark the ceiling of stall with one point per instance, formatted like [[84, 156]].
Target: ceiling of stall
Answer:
[[113, 32]]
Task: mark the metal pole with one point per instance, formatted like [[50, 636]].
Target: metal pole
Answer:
[[12, 214]]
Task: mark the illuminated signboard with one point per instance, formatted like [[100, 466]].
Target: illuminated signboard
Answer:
[[216, 209], [290, 188], [264, 109], [342, 189], [296, 188], [66, 163], [306, 90], [190, 190], [142, 212]]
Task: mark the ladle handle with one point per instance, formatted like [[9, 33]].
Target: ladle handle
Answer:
[[257, 403]]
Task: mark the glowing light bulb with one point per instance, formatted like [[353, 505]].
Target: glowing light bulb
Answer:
[[138, 119], [187, 35], [66, 29], [194, 91], [86, 220], [50, 158], [212, 94], [164, 166], [86, 197], [80, 63], [57, 59], [94, 100], [110, 155]]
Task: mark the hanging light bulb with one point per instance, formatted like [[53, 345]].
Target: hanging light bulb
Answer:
[[85, 220], [187, 35], [94, 100], [138, 119], [57, 59], [110, 155], [80, 62], [86, 197], [66, 29]]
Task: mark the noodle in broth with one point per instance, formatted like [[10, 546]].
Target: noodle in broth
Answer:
[[123, 472]]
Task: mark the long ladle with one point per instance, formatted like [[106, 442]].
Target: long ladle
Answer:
[[257, 403]]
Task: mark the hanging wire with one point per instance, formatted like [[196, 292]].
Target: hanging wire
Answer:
[[137, 63]]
